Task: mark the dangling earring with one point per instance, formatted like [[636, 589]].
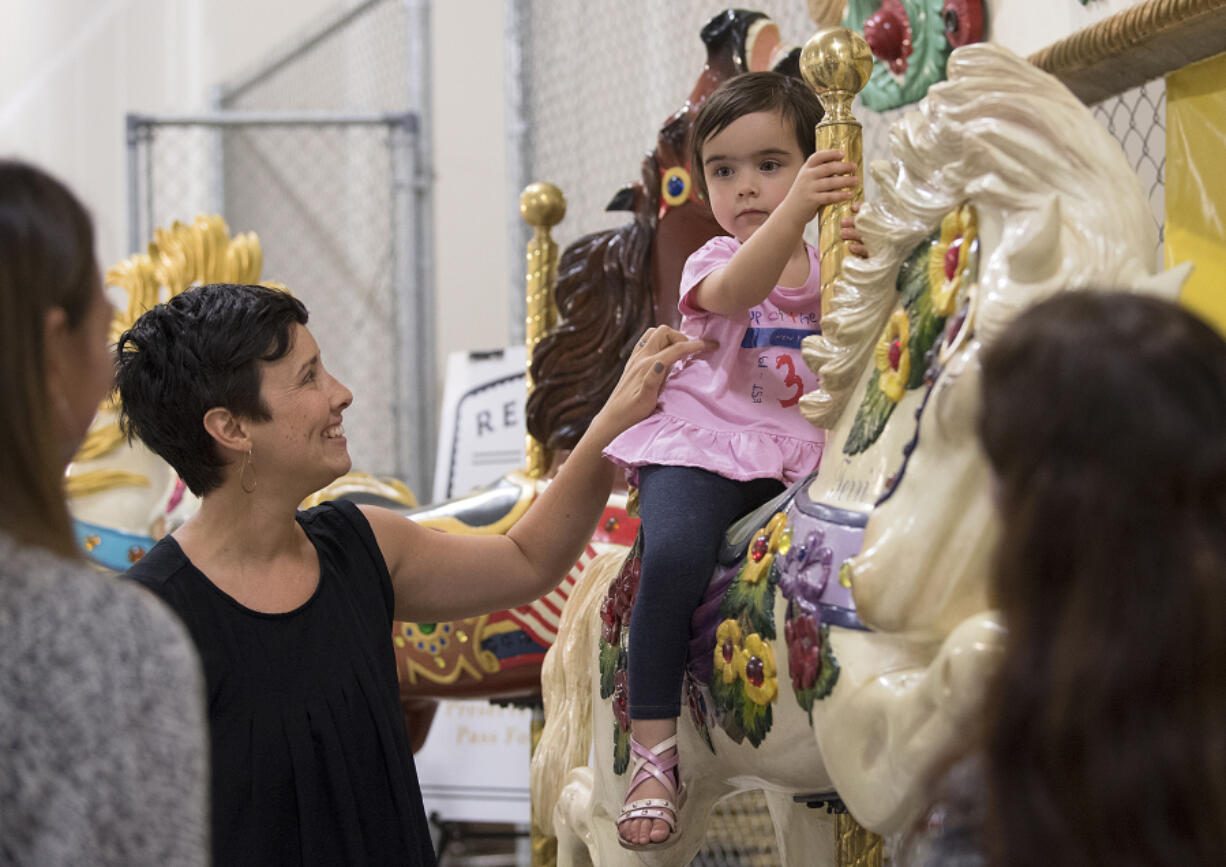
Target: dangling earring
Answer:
[[242, 474]]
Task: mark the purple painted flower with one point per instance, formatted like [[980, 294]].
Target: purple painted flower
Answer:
[[806, 570]]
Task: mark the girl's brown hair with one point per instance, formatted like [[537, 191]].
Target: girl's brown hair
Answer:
[[749, 93], [1105, 421], [46, 262]]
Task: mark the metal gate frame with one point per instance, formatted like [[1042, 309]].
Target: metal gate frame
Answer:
[[414, 371]]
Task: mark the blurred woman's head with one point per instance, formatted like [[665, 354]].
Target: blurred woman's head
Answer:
[[1104, 421], [57, 366]]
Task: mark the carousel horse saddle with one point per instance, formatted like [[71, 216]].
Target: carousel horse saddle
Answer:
[[820, 539]]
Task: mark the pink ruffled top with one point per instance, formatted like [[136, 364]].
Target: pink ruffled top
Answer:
[[733, 410]]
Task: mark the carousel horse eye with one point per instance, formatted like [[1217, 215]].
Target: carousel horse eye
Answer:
[[675, 187]]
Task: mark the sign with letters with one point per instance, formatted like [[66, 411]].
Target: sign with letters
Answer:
[[474, 765], [482, 428]]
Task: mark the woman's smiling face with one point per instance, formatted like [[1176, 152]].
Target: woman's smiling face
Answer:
[[304, 437]]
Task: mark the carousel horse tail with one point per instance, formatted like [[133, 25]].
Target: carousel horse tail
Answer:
[[566, 686]]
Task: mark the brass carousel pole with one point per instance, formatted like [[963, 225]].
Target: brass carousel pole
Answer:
[[837, 63], [542, 206]]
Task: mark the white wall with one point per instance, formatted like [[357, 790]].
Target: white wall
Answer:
[[1025, 26], [71, 69], [470, 164]]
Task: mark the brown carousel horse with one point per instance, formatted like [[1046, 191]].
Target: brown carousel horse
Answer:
[[614, 284]]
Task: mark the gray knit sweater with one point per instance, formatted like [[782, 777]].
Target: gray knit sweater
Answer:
[[102, 724]]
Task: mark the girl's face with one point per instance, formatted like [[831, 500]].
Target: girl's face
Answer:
[[80, 369], [749, 167], [303, 442]]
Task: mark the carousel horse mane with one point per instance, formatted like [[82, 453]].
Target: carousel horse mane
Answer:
[[609, 287], [989, 133]]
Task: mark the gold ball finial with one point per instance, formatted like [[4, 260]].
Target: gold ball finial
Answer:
[[542, 205], [836, 59]]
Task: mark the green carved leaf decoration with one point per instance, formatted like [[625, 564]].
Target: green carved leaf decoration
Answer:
[[755, 719], [829, 676], [726, 695], [621, 749], [874, 412], [610, 661], [752, 604]]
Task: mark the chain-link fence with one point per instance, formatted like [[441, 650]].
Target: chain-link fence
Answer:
[[600, 76], [1137, 120], [321, 152]]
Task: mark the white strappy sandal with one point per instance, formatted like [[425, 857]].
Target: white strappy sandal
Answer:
[[648, 765]]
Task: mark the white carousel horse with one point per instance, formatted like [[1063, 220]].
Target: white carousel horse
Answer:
[[122, 496], [1000, 190]]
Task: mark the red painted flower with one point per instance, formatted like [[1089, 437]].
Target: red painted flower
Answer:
[[610, 621], [804, 642], [627, 586]]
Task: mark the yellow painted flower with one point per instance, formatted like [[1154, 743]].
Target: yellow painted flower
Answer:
[[728, 650], [892, 356], [947, 261], [757, 670], [762, 549]]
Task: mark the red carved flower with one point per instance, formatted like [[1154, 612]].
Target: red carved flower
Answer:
[[804, 642], [610, 622], [627, 586]]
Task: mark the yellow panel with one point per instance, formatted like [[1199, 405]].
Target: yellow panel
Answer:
[[1196, 184]]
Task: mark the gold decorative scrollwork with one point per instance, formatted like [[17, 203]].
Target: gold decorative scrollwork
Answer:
[[96, 481], [177, 258], [392, 490], [1134, 46]]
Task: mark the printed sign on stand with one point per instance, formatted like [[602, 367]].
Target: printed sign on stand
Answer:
[[474, 766], [482, 427]]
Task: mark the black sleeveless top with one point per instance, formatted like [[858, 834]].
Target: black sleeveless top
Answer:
[[311, 763]]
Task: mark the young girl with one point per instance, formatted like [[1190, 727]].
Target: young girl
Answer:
[[726, 436]]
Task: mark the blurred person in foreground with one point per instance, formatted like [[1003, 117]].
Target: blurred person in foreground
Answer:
[[1104, 741], [102, 726]]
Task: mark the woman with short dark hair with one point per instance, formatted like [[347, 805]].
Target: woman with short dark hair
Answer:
[[292, 611]]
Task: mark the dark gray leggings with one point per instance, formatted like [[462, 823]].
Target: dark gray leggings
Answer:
[[685, 512]]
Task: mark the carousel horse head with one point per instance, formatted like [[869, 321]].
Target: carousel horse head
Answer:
[[122, 496], [1004, 190], [1032, 197], [614, 284]]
